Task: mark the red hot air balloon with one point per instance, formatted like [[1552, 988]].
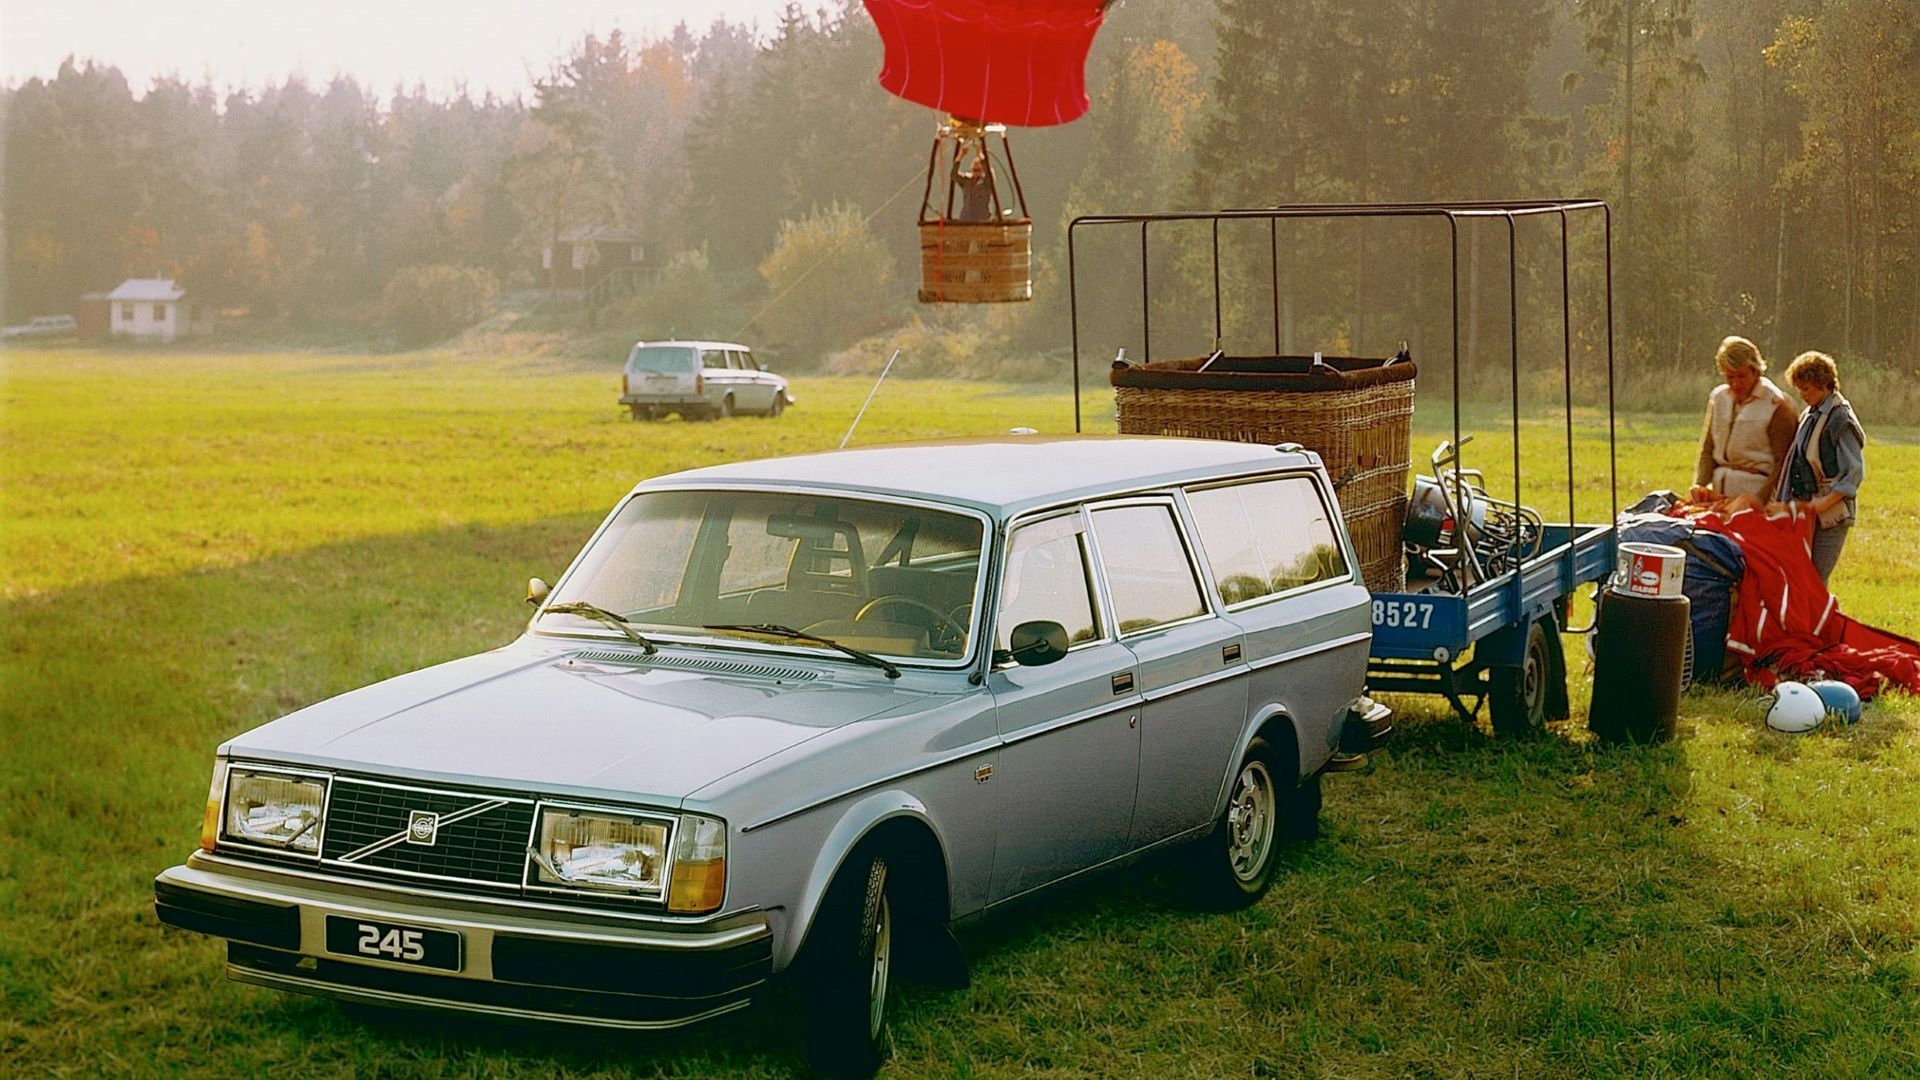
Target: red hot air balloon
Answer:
[[987, 64], [1018, 62]]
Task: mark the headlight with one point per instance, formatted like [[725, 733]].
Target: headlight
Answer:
[[607, 851], [274, 809], [596, 850]]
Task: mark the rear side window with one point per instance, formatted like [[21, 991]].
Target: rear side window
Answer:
[[1266, 537], [1146, 566], [1047, 579], [664, 359]]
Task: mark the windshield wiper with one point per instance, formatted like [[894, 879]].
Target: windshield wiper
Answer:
[[602, 615], [788, 632]]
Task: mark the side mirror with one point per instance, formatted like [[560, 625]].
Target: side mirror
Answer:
[[1037, 643], [762, 366], [537, 591]]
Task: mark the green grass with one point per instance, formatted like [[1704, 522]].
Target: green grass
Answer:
[[193, 544]]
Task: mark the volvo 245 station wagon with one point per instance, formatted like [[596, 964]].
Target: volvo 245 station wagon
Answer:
[[700, 380], [803, 714]]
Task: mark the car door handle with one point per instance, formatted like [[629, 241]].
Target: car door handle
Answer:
[[1123, 682]]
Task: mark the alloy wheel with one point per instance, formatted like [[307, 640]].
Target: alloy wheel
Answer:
[[1250, 821]]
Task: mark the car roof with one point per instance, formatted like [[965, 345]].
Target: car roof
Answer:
[[691, 345], [1003, 475]]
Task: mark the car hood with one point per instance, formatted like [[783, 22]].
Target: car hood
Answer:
[[560, 723]]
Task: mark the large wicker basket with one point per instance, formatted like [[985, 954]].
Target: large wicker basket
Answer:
[[976, 262], [1355, 413]]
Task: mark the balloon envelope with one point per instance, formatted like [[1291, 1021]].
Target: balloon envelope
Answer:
[[1018, 62]]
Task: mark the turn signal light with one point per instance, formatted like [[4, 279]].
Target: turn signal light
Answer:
[[210, 820], [698, 886]]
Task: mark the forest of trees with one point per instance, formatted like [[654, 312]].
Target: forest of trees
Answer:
[[1762, 158]]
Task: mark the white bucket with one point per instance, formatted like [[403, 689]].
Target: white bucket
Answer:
[[1650, 570]]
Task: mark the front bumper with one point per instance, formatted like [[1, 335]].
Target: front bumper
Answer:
[[534, 964]]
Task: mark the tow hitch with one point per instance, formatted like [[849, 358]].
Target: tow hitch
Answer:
[[1367, 727]]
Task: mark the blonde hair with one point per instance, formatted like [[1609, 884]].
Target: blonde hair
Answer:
[[1814, 369], [1736, 353]]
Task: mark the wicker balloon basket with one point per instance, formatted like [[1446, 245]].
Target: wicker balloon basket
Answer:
[[976, 263], [1355, 413]]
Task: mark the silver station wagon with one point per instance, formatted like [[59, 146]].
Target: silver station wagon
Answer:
[[700, 380], [802, 715]]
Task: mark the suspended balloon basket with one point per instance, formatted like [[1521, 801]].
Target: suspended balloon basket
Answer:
[[976, 240]]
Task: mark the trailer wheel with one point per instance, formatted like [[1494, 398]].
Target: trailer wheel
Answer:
[[1519, 695]]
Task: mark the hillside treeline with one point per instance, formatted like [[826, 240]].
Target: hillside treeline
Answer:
[[1762, 158]]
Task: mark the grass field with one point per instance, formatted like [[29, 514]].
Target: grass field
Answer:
[[193, 544]]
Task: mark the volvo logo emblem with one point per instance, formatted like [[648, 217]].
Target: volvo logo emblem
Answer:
[[423, 827]]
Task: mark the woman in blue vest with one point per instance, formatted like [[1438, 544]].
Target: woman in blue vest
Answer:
[[1827, 461]]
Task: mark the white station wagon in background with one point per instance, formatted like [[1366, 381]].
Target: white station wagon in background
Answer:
[[801, 715], [42, 326], [700, 380]]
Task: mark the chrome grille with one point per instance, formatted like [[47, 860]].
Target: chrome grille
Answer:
[[488, 847]]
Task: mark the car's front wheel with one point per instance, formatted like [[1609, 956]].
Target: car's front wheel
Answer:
[[849, 971], [1265, 808]]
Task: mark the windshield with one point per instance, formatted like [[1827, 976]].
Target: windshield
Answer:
[[666, 359], [890, 579]]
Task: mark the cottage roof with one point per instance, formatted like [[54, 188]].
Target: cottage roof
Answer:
[[161, 289]]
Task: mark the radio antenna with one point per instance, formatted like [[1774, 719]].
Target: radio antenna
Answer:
[[869, 401]]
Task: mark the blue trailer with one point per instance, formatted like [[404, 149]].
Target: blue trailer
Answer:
[[1475, 638]]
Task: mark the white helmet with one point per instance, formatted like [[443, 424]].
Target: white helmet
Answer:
[[1795, 708]]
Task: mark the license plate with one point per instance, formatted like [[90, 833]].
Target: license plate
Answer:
[[1403, 614], [663, 380], [394, 943]]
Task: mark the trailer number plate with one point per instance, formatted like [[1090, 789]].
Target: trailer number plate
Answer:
[[1407, 614]]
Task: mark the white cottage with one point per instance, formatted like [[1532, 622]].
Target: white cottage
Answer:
[[155, 309]]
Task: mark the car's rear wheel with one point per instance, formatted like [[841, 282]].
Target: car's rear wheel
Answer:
[[725, 408], [1234, 864], [642, 412], [849, 970]]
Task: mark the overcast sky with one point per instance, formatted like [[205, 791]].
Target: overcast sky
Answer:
[[488, 44]]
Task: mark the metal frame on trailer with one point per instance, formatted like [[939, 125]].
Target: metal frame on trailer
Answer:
[[1420, 638]]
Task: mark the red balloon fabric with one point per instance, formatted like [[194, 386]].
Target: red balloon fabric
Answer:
[[1789, 624], [1018, 62]]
